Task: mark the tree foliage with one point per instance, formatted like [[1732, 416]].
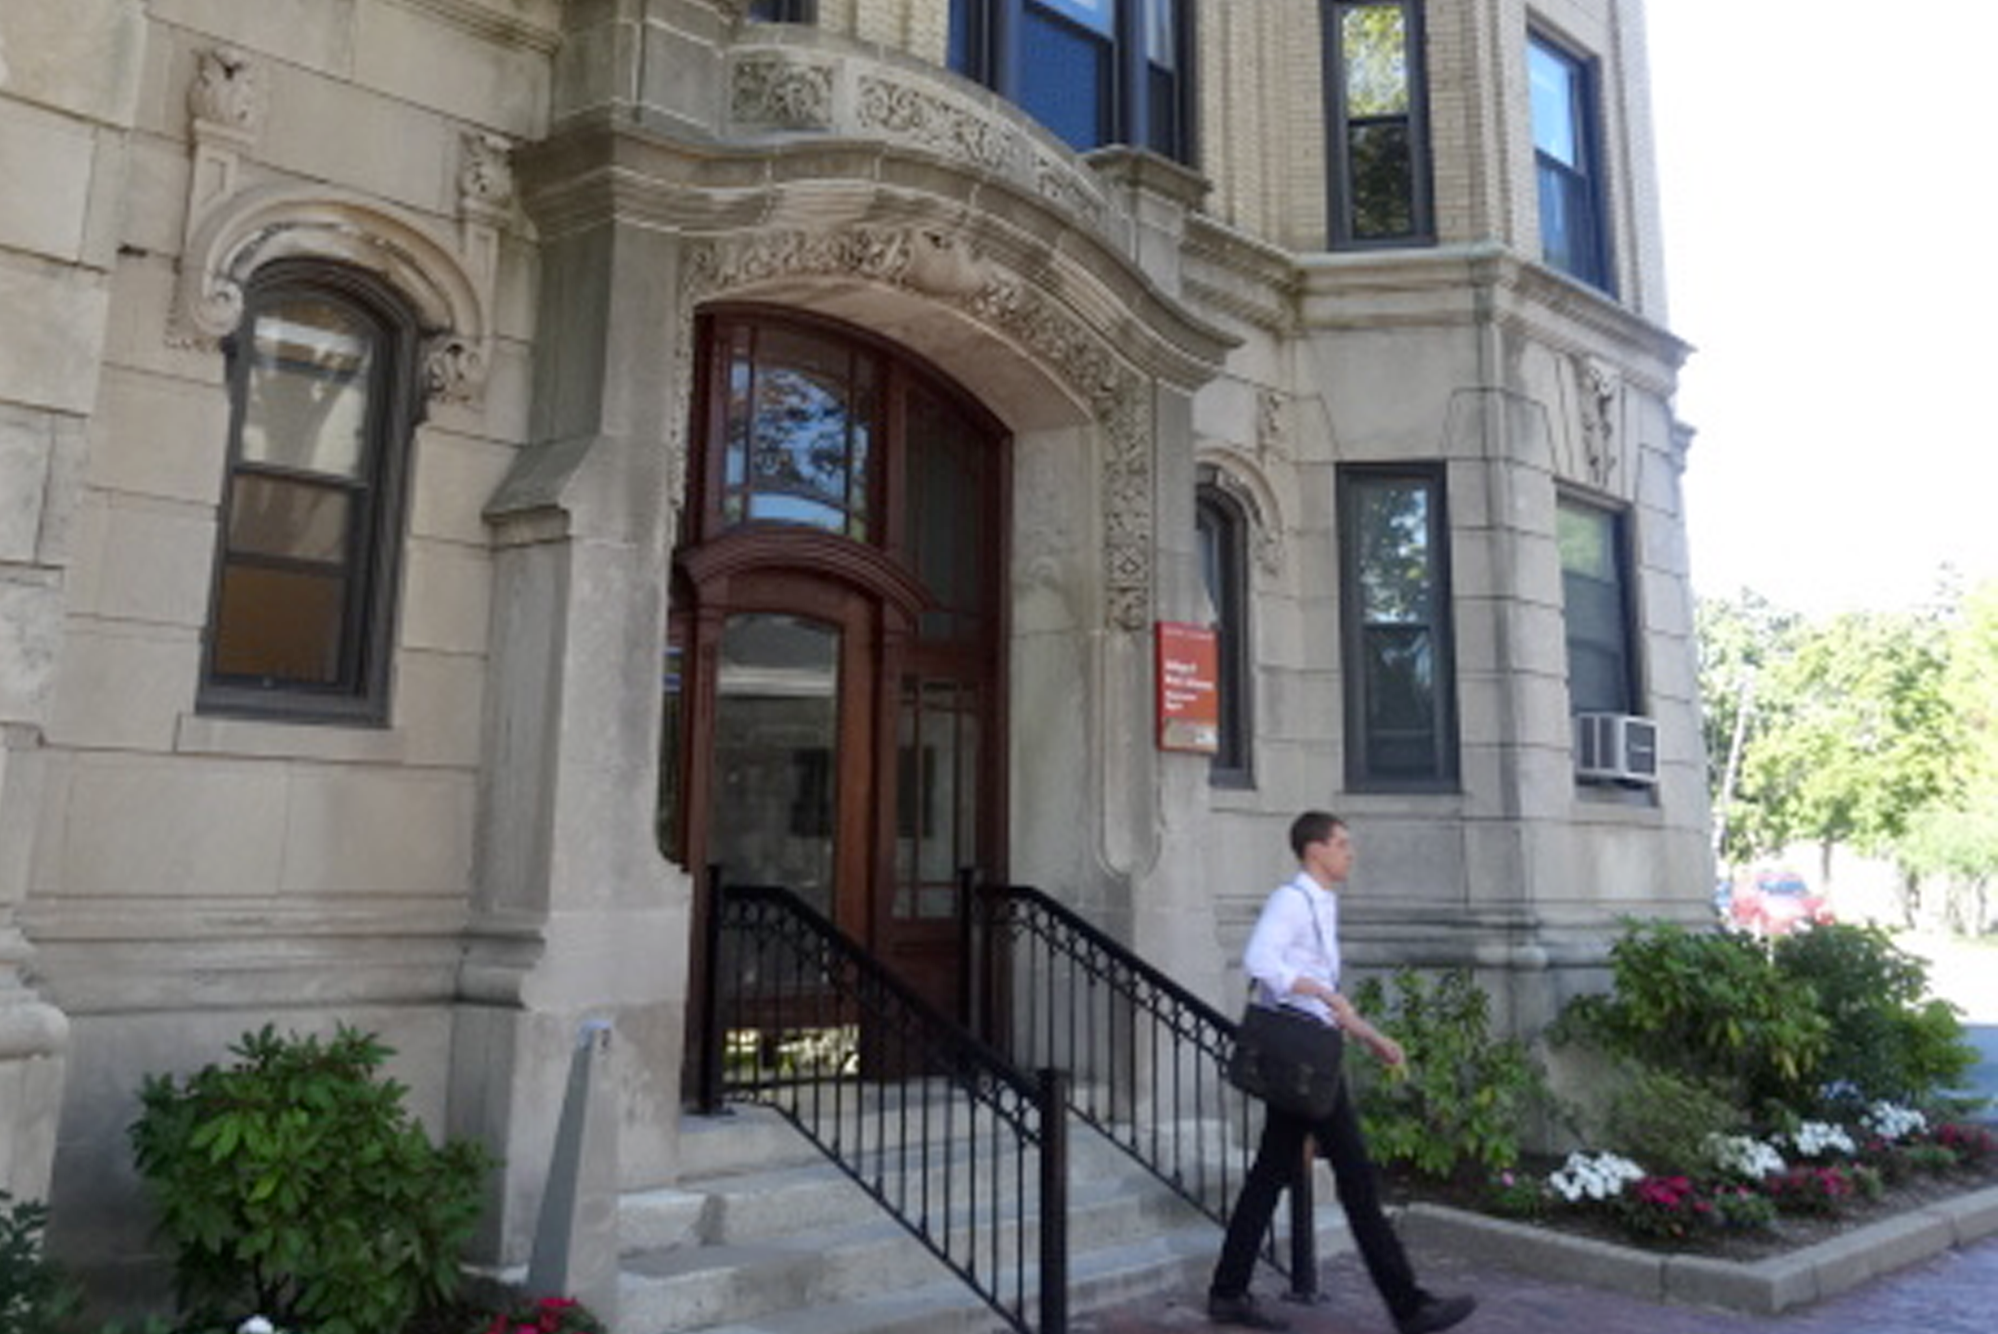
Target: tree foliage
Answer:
[[1874, 729]]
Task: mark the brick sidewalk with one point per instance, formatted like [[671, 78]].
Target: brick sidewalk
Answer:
[[1951, 1294]]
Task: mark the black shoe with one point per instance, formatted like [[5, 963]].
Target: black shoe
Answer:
[[1436, 1313], [1244, 1311]]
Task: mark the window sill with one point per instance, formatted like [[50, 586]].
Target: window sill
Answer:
[[274, 739]]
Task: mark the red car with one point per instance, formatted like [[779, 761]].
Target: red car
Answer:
[[1776, 902]]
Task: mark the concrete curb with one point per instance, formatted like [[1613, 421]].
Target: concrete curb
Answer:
[[1762, 1287]]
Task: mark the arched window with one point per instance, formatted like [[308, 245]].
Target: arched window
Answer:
[[321, 376], [1222, 534]]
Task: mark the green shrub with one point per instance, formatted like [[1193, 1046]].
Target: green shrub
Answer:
[[1458, 1109], [1662, 1120], [35, 1298], [1893, 1042], [294, 1184], [1709, 1006]]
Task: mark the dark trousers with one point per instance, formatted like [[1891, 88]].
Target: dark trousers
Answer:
[[1279, 1158]]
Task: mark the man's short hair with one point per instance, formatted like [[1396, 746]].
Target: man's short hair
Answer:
[[1312, 827]]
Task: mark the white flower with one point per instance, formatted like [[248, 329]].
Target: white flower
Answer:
[[1744, 1156], [256, 1324], [1891, 1121], [1816, 1138], [1599, 1176]]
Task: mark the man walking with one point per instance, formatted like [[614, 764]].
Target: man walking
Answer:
[[1292, 960]]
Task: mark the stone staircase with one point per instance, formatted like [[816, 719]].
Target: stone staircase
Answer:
[[765, 1236]]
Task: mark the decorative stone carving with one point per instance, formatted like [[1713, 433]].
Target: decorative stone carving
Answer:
[[454, 371], [1060, 184], [485, 173], [1269, 424], [952, 129], [924, 260], [781, 92], [227, 92], [1601, 389]]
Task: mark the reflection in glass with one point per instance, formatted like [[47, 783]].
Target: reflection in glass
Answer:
[[946, 513], [1395, 566], [1400, 702], [799, 430], [1554, 80], [1374, 41], [1383, 180], [307, 400], [936, 798], [276, 516], [776, 732]]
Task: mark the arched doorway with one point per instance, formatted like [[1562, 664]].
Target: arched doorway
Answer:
[[834, 689]]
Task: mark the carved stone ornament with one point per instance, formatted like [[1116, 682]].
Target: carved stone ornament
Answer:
[[227, 92], [918, 116], [1601, 388], [1269, 423], [485, 172], [454, 371], [781, 92], [921, 259]]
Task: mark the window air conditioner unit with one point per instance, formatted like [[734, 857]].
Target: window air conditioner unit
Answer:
[[1616, 748]]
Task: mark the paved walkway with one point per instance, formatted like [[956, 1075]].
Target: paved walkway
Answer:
[[1951, 1294]]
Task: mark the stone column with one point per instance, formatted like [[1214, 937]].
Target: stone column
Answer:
[[69, 78]]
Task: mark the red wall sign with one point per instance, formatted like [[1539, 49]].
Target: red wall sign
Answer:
[[1189, 698]]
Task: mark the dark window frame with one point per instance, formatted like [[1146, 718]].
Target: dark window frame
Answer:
[[1361, 774], [1222, 519], [1584, 184], [784, 11], [360, 694], [1630, 692], [1340, 194], [986, 37]]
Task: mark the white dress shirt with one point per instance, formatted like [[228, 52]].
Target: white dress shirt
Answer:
[[1296, 936]]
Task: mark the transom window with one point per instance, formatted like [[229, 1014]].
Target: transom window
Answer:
[[1378, 149], [320, 376], [1567, 139], [801, 419], [1094, 72]]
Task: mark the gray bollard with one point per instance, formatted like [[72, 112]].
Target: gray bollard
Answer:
[[575, 1238]]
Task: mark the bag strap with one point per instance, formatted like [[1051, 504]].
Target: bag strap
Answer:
[[1311, 907]]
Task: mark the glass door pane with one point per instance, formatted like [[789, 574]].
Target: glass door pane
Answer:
[[776, 740]]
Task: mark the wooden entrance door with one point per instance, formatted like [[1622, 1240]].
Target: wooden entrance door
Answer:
[[834, 683]]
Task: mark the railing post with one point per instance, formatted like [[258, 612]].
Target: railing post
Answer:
[[1304, 1227], [1054, 1201], [708, 1082], [969, 964]]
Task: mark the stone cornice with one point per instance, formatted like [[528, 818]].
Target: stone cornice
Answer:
[[505, 26], [1478, 284]]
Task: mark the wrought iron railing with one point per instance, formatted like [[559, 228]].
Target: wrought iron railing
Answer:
[[960, 1146], [1146, 1056]]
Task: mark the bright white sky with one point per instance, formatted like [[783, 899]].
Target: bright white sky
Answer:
[[1830, 184]]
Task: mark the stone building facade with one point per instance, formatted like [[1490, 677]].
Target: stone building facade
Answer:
[[467, 464]]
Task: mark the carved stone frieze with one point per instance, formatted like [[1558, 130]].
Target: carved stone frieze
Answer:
[[782, 92], [922, 259], [915, 115]]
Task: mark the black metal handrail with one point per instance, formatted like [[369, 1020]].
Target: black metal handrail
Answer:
[[962, 1148], [1147, 1057]]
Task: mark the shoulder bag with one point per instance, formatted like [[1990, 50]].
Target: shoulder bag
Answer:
[[1287, 1058]]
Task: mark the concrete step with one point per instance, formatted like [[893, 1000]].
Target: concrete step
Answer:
[[780, 1239]]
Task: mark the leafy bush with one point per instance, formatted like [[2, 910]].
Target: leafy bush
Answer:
[[294, 1183], [1458, 1109], [1893, 1041], [1665, 1120], [1711, 1008], [35, 1298]]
